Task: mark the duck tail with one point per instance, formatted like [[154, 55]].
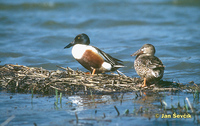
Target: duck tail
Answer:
[[118, 66]]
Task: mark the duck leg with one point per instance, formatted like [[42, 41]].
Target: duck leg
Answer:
[[93, 71], [145, 82], [87, 73]]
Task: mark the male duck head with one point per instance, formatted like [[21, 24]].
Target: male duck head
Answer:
[[79, 39]]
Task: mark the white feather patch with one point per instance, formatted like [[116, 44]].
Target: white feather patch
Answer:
[[106, 65], [78, 50], [156, 74]]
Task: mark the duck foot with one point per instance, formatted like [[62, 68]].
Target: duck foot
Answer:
[[93, 72], [145, 82], [87, 73]]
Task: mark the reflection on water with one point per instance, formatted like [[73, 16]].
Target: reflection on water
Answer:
[[97, 109]]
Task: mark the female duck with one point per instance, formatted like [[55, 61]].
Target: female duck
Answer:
[[148, 66]]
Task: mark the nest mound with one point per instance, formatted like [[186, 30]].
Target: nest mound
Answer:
[[23, 79]]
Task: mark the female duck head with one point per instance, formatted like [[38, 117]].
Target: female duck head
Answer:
[[147, 49]]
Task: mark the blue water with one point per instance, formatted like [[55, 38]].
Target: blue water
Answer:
[[42, 110], [34, 33]]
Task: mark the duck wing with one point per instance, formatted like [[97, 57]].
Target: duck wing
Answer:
[[152, 62], [108, 58]]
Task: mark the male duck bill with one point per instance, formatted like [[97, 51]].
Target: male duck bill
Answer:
[[91, 57], [148, 66]]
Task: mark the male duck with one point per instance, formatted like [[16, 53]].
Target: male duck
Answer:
[[91, 57]]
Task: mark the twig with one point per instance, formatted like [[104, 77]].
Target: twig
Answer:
[[119, 72], [76, 117], [62, 68], [117, 111], [8, 120], [189, 104]]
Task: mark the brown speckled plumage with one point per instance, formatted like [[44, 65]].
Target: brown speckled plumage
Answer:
[[147, 65]]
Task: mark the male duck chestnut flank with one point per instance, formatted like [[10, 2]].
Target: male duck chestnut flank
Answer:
[[148, 67], [91, 57]]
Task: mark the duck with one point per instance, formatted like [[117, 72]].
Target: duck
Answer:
[[91, 57], [147, 65]]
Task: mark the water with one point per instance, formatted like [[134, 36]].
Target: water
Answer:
[[34, 33], [42, 110]]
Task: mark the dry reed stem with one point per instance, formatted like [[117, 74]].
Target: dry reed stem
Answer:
[[18, 78]]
